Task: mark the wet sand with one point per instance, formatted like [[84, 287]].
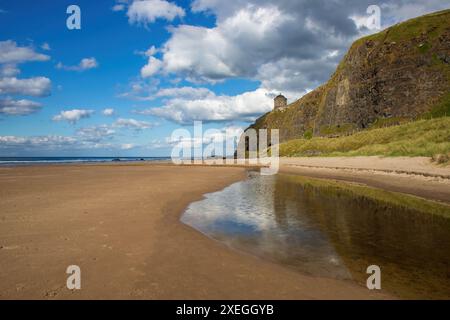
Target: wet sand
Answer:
[[412, 175], [120, 224]]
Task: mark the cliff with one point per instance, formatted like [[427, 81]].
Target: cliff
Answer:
[[399, 74]]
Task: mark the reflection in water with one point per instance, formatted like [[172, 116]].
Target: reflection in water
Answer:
[[329, 234]]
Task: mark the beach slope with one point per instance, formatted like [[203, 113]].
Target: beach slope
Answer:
[[120, 225]]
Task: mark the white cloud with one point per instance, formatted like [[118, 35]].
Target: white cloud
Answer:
[[151, 68], [37, 87], [45, 46], [294, 77], [52, 143], [288, 46], [245, 107], [147, 11], [185, 93], [118, 7], [87, 138], [88, 63], [10, 53], [235, 47], [96, 133], [127, 146], [10, 56], [73, 116], [132, 124], [18, 107], [108, 112], [85, 64], [141, 90], [149, 52], [219, 138], [252, 34], [9, 70]]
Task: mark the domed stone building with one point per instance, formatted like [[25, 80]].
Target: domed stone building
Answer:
[[280, 102]]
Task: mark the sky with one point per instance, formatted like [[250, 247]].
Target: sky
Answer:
[[136, 70]]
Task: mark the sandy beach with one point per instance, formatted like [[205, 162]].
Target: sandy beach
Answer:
[[120, 224]]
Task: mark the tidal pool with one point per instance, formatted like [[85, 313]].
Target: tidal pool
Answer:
[[328, 233]]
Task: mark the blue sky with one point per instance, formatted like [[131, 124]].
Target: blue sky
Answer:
[[159, 65]]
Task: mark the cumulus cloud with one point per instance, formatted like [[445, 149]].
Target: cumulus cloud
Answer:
[[213, 141], [245, 40], [73, 116], [147, 53], [85, 64], [9, 70], [94, 137], [96, 133], [37, 87], [118, 7], [142, 90], [45, 46], [38, 142], [147, 11], [10, 53], [127, 146], [244, 107], [151, 68], [108, 112], [212, 135], [185, 93], [132, 124], [53, 143], [18, 107], [249, 35], [294, 77], [151, 51], [288, 46]]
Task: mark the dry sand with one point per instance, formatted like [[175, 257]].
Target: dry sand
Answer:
[[120, 224]]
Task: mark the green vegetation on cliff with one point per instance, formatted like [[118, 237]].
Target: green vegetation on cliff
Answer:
[[418, 138], [389, 78]]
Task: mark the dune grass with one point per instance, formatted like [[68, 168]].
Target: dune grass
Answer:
[[419, 138]]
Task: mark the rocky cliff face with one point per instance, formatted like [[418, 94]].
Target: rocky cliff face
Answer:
[[398, 74]]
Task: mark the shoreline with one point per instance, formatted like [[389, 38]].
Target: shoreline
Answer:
[[52, 215], [125, 233], [413, 176]]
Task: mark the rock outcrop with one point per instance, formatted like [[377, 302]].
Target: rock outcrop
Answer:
[[399, 74]]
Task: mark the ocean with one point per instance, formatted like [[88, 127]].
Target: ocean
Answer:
[[11, 161]]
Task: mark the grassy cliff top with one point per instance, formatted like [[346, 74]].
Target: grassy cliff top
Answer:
[[419, 138], [389, 78]]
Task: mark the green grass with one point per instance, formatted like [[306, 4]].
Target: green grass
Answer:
[[337, 130], [378, 196], [387, 122], [424, 48], [441, 109], [419, 138], [308, 134]]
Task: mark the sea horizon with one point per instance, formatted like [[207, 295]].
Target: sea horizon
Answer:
[[29, 160]]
